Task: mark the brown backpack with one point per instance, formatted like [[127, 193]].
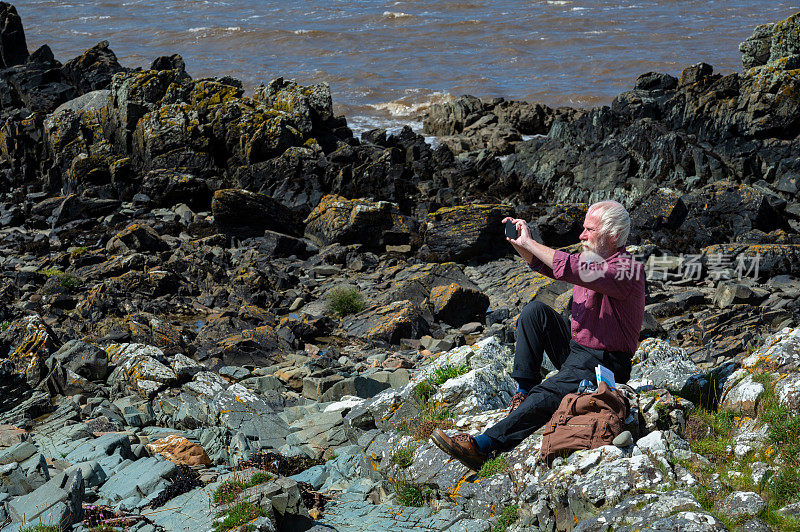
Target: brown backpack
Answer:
[[584, 421]]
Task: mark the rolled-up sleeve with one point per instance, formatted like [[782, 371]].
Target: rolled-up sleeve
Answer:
[[540, 267], [610, 281]]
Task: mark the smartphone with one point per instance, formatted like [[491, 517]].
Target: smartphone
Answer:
[[511, 230]]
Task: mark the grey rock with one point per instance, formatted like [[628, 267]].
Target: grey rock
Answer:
[[663, 366], [623, 439], [137, 482], [364, 387], [18, 453], [188, 511], [92, 472], [640, 510], [741, 504], [740, 393], [316, 476], [241, 410], [105, 445], [86, 360], [57, 501], [235, 373]]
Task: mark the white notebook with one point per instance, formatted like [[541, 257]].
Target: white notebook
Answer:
[[605, 375]]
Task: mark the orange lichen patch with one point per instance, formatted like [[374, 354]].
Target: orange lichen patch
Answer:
[[455, 489], [179, 450]]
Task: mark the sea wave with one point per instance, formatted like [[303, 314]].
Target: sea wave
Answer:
[[407, 107], [396, 14]]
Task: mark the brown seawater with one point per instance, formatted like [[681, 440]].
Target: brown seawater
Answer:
[[386, 61]]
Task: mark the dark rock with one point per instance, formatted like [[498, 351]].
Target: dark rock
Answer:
[[562, 224], [169, 62], [465, 233], [93, 69], [655, 81], [456, 305], [75, 207], [363, 387], [246, 214], [389, 323], [13, 48], [167, 188], [373, 224], [137, 237], [87, 360]]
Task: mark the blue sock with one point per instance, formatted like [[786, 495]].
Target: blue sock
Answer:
[[524, 385], [485, 443]]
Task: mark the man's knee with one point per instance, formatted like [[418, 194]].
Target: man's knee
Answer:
[[535, 311]]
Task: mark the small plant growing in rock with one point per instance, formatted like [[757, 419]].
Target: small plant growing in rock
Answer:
[[424, 390], [228, 491], [259, 477], [448, 371], [404, 456], [237, 515], [77, 252], [345, 300], [408, 493], [67, 280], [493, 466], [508, 517]]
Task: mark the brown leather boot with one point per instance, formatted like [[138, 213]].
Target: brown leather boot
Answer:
[[462, 447], [516, 400]]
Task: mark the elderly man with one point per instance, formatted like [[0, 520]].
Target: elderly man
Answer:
[[607, 313]]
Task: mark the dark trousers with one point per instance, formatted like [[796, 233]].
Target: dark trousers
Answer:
[[540, 329]]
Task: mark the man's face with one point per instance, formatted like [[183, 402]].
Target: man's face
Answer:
[[591, 237]]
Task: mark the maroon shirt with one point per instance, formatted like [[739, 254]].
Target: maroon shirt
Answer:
[[608, 307]]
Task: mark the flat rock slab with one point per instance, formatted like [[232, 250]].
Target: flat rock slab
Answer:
[[138, 481], [242, 410], [189, 511], [349, 512]]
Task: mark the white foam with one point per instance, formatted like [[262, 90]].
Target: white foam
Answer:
[[396, 14], [233, 28], [594, 32], [558, 2], [94, 17], [578, 9], [301, 32], [404, 108], [201, 28]]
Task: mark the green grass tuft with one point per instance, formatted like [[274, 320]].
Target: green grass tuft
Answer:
[[493, 467], [228, 491], [259, 477], [423, 391], [404, 456], [508, 517], [345, 300], [67, 280], [446, 372], [237, 515]]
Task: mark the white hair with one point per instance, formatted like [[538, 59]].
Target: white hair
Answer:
[[615, 223]]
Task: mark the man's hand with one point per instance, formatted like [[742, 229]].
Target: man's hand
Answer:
[[522, 242], [526, 246]]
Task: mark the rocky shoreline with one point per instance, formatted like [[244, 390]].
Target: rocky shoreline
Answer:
[[224, 311]]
